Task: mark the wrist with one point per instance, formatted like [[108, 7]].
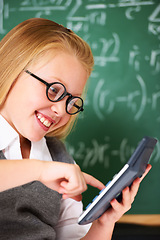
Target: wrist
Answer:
[[40, 170], [105, 223]]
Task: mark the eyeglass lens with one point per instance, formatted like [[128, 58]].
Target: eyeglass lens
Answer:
[[74, 105], [57, 91]]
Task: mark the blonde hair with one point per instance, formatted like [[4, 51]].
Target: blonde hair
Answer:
[[27, 42]]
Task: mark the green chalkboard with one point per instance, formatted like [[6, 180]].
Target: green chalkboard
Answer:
[[123, 100]]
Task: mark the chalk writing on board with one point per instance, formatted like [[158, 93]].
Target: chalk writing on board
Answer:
[[130, 12], [136, 101], [101, 152], [47, 7], [153, 59], [2, 30], [108, 49], [39, 4], [154, 20], [134, 58], [132, 7], [40, 8], [124, 3]]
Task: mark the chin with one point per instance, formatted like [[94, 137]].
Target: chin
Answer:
[[35, 138]]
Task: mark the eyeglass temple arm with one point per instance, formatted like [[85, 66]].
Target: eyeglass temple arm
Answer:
[[38, 78]]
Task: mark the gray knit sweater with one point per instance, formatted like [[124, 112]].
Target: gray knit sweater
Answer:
[[31, 211]]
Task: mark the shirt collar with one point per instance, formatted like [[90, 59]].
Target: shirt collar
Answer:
[[7, 133]]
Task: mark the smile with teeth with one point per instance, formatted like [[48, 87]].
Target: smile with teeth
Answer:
[[44, 120]]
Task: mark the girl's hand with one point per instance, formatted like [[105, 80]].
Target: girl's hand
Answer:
[[128, 195], [67, 179]]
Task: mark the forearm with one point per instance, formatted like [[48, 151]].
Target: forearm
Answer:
[[65, 178], [99, 231], [14, 173]]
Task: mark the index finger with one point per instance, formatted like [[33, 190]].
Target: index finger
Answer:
[[93, 181]]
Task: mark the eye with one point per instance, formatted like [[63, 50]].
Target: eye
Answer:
[[74, 105], [55, 91]]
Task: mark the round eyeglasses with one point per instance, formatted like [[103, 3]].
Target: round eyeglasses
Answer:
[[56, 91]]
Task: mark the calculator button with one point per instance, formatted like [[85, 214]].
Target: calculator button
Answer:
[[108, 183], [101, 191], [94, 198], [88, 205]]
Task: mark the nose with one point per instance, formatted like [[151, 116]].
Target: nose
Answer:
[[59, 108]]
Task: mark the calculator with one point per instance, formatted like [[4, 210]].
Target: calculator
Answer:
[[135, 167]]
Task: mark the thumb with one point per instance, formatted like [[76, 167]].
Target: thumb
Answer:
[[146, 171], [77, 198]]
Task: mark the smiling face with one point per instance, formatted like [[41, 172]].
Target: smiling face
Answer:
[[28, 110]]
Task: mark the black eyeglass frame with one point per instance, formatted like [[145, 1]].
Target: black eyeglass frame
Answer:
[[70, 96]]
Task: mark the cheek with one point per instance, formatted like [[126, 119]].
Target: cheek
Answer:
[[33, 101], [66, 119], [62, 122]]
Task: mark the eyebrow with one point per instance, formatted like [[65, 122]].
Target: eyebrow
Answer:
[[59, 80]]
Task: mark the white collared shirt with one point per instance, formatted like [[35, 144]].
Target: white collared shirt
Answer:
[[67, 227]]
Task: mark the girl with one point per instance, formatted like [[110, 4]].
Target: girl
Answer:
[[44, 69]]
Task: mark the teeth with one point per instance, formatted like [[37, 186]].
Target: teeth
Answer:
[[42, 119], [45, 122]]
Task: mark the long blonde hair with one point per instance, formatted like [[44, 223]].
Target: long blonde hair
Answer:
[[27, 42]]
